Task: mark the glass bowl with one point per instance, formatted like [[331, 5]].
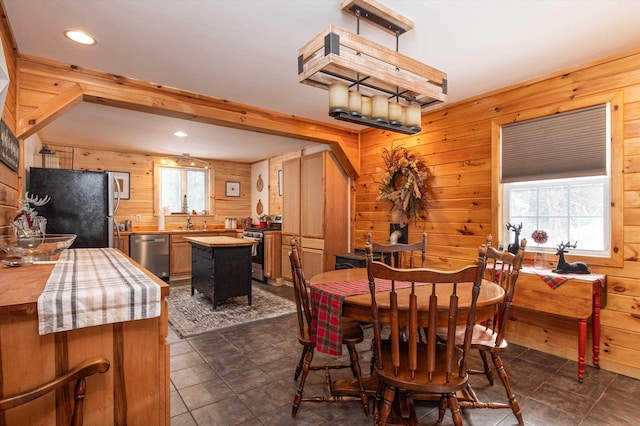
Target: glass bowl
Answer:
[[42, 248]]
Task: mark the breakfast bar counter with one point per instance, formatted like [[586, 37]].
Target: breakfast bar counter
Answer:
[[135, 389], [221, 267]]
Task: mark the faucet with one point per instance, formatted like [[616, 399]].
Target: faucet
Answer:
[[189, 224]]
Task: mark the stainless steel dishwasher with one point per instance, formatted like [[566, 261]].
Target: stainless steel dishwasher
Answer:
[[152, 252]]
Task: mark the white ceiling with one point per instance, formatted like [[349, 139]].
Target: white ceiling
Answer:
[[246, 51]]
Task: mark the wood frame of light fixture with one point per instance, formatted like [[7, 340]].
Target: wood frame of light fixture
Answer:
[[338, 55]]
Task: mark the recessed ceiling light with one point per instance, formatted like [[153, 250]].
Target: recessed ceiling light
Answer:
[[80, 37], [180, 134]]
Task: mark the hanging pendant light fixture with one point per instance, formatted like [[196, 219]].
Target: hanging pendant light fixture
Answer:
[[359, 72]]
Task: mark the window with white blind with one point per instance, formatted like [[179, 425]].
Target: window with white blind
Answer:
[[555, 172]]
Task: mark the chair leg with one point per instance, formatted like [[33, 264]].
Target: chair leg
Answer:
[[306, 366], [513, 402], [305, 349], [442, 408], [357, 372], [377, 403], [487, 368], [374, 356], [454, 406], [387, 404]]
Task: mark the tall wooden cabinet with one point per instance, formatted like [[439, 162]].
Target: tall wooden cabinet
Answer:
[[290, 210], [316, 211], [272, 252]]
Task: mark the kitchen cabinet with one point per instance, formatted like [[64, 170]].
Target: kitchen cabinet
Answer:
[[291, 197], [291, 211], [123, 244], [316, 211], [313, 257], [272, 253], [179, 258]]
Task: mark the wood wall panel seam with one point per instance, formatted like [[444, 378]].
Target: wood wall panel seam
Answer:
[[63, 399], [119, 376]]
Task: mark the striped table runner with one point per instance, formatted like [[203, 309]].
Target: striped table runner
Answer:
[[95, 286]]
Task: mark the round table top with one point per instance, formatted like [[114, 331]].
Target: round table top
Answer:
[[358, 307]]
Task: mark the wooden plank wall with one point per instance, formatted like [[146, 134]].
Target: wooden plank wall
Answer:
[[456, 145], [9, 181], [141, 202]]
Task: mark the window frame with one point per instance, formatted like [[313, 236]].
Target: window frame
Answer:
[[605, 180], [157, 184], [615, 100]]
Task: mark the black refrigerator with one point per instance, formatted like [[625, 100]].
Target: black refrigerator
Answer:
[[82, 203]]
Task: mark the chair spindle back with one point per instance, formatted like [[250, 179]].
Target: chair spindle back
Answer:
[[301, 293], [504, 268], [433, 285], [397, 253]]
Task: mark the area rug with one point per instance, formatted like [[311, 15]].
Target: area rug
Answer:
[[193, 315]]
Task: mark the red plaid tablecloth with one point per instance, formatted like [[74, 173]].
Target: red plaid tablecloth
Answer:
[[326, 306]]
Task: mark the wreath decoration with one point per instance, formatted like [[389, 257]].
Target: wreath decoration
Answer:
[[403, 182]]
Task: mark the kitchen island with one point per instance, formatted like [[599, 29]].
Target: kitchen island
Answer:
[[135, 390], [221, 267]]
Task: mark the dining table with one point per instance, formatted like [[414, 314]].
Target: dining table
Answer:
[[345, 292]]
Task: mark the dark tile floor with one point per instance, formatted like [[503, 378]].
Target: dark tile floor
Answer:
[[243, 375]]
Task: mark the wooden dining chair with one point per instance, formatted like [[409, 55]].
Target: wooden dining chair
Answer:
[[400, 255], [77, 375], [489, 338], [411, 366], [352, 334]]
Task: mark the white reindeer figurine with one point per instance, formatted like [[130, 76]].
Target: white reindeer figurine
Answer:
[[565, 267], [27, 223]]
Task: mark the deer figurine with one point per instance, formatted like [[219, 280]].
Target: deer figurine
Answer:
[[515, 246], [565, 267], [27, 223]]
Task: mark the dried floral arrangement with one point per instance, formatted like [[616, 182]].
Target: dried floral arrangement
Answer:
[[540, 236], [403, 182]]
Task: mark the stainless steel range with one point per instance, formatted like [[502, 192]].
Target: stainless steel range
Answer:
[[257, 255]]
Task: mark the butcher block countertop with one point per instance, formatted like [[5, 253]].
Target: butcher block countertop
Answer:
[[220, 241]]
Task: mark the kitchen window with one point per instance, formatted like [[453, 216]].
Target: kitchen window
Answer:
[[183, 189], [561, 173]]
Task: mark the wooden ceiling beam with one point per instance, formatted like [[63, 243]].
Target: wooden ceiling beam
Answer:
[[122, 92]]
